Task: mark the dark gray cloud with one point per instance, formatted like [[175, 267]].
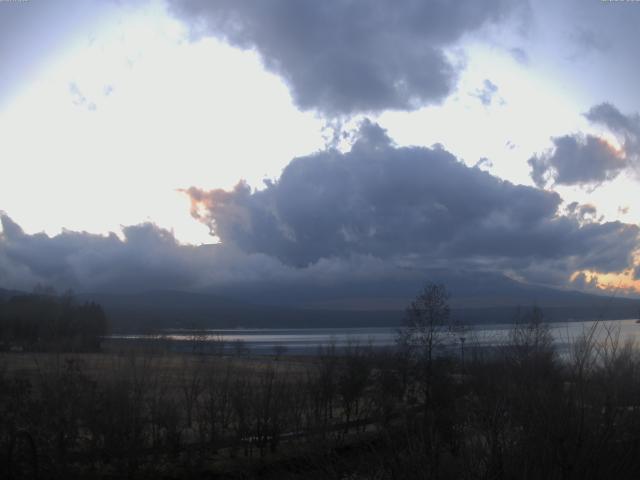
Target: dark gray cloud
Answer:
[[583, 212], [148, 257], [484, 162], [349, 56], [577, 160], [589, 160], [415, 205], [375, 213], [626, 127]]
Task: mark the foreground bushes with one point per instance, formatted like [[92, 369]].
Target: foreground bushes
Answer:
[[518, 411]]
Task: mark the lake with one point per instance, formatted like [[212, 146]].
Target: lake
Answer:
[[308, 340]]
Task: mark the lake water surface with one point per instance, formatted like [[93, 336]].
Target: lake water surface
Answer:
[[308, 340]]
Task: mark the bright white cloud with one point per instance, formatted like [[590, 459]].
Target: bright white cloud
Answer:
[[142, 110]]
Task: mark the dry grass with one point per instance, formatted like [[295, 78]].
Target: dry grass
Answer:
[[169, 365]]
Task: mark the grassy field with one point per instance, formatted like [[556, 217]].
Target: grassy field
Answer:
[[518, 411], [166, 408]]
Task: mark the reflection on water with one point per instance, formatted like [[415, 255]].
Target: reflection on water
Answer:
[[309, 339]]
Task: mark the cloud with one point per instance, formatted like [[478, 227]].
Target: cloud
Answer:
[[625, 127], [588, 160], [583, 213], [520, 55], [148, 257], [486, 93], [590, 41], [376, 214], [420, 206], [350, 56], [577, 160], [79, 99], [484, 162], [583, 282]]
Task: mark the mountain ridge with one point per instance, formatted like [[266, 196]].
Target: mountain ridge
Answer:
[[484, 297]]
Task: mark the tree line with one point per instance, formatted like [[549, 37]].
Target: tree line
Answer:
[[44, 321]]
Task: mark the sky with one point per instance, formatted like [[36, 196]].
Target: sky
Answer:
[[192, 144]]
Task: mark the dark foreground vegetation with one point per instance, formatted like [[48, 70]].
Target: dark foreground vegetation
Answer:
[[517, 411]]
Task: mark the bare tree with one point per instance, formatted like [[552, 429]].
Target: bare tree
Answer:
[[531, 341], [191, 386], [426, 322]]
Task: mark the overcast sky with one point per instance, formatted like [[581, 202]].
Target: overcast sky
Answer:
[[318, 141]]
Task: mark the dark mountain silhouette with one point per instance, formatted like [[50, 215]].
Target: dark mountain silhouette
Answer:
[[467, 289], [478, 297], [475, 298]]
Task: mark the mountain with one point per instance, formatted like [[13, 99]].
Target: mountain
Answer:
[[476, 297], [468, 290], [149, 311]]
